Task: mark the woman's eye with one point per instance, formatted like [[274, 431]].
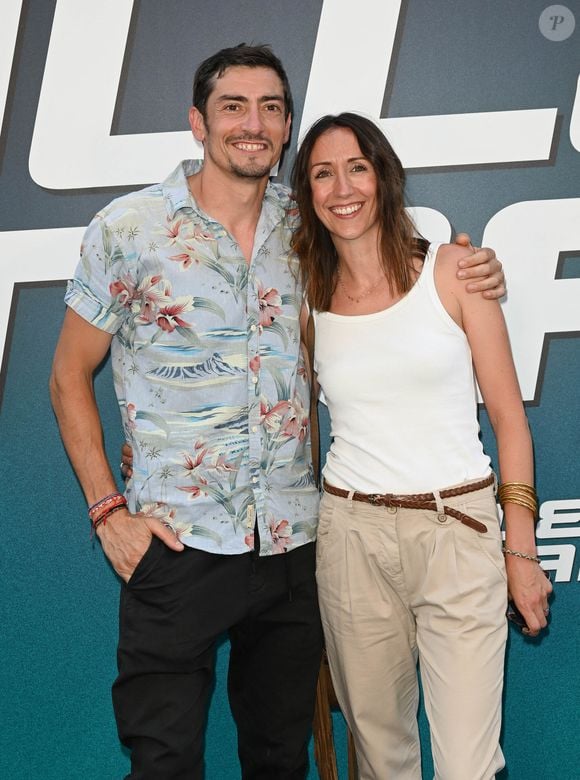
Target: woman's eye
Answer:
[[322, 174], [359, 167]]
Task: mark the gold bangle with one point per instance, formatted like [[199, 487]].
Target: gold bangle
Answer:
[[525, 556], [518, 493]]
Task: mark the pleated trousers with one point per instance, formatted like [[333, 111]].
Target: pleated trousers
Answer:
[[401, 586]]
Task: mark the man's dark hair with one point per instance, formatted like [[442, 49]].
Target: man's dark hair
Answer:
[[215, 66]]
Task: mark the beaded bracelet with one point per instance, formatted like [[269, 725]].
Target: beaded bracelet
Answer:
[[103, 501], [102, 519], [99, 511], [525, 556], [113, 499], [518, 493]]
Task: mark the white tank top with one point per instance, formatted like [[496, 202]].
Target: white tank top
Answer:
[[400, 389]]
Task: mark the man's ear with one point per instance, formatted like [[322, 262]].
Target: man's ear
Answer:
[[197, 124], [288, 126]]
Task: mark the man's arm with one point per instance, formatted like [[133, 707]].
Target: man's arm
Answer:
[[481, 269], [80, 349]]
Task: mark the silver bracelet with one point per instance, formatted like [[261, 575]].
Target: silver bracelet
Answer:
[[525, 556]]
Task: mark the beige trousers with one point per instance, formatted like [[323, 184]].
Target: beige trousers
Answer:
[[401, 585]]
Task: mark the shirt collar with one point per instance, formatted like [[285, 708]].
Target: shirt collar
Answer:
[[176, 193], [177, 196]]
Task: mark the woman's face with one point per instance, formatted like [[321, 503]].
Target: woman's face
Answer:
[[344, 186]]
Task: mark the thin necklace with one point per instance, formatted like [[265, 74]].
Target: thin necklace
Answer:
[[368, 291]]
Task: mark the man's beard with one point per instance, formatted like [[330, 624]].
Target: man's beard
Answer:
[[251, 170]]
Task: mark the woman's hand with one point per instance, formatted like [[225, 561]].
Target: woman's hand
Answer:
[[529, 588], [126, 460]]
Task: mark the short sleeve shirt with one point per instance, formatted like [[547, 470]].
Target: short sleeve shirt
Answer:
[[207, 365]]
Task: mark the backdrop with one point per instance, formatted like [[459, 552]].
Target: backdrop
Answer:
[[482, 102]]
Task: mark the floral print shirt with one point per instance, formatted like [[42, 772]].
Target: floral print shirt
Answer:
[[207, 365]]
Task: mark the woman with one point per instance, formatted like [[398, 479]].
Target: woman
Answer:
[[418, 574]]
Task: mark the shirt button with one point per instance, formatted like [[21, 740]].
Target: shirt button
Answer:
[[254, 479], [254, 428], [255, 380], [252, 328]]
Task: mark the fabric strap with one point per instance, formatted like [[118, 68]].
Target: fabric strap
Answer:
[[314, 426]]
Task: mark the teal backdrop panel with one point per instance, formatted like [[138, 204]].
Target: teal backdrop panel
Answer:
[[59, 603]]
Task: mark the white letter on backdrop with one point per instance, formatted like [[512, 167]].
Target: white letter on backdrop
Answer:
[[72, 146], [357, 83], [8, 32], [528, 237]]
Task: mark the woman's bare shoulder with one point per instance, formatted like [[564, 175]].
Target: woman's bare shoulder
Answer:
[[448, 255]]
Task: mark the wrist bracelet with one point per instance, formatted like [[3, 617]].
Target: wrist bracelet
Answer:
[[102, 519], [102, 506], [102, 500], [518, 493], [525, 556]]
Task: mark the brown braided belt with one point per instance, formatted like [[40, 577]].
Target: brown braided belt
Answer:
[[420, 500]]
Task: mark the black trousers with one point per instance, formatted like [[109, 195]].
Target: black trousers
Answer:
[[172, 612]]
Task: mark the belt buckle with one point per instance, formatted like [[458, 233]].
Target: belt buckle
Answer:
[[375, 498]]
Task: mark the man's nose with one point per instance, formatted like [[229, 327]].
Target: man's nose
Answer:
[[253, 121]]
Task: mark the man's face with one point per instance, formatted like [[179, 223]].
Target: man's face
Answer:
[[245, 128]]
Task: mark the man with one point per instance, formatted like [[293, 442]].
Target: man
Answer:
[[193, 286]]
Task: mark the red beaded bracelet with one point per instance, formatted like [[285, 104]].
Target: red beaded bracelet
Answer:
[[103, 500], [102, 507], [102, 519]]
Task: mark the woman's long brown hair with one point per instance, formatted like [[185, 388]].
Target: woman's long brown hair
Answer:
[[398, 242]]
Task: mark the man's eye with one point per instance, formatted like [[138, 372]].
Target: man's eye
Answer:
[[273, 108], [231, 107]]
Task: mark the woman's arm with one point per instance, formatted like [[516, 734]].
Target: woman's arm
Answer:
[[304, 315], [484, 324]]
